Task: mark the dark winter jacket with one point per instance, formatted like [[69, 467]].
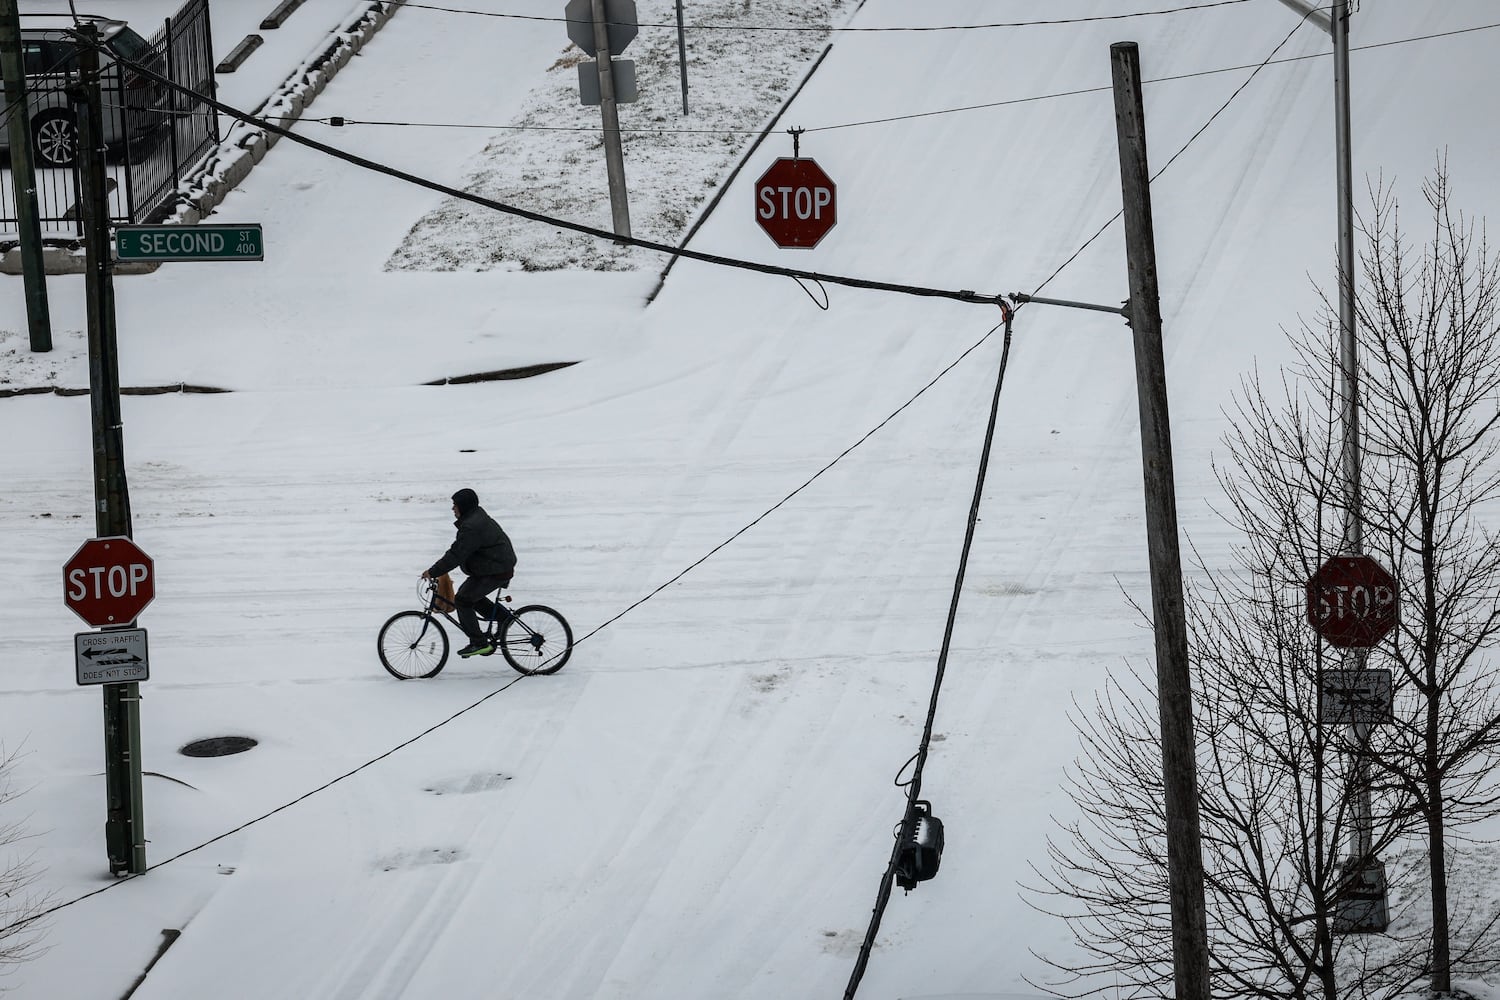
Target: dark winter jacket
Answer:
[[481, 548]]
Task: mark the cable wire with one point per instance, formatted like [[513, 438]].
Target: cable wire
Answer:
[[511, 683], [263, 816], [337, 121], [813, 478], [914, 788], [1173, 158], [962, 295], [847, 30]]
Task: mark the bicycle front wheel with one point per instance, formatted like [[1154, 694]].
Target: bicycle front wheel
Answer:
[[412, 644], [536, 640]]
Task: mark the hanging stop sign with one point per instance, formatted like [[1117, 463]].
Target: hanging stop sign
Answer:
[[796, 203]]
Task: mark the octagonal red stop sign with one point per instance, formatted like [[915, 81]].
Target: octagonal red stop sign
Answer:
[[795, 202], [108, 581], [1352, 602]]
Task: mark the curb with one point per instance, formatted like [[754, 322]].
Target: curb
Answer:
[[246, 145]]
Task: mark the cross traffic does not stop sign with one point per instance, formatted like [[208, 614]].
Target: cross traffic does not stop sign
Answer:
[[796, 203]]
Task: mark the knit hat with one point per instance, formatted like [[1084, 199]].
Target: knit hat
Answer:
[[465, 500]]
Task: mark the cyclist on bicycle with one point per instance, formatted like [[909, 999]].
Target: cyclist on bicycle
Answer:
[[483, 551]]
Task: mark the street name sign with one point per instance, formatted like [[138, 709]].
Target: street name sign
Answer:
[[169, 243], [108, 581], [116, 656]]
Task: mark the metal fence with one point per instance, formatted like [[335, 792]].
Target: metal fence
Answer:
[[186, 47], [153, 133]]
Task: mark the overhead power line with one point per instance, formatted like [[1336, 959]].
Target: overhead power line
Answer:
[[823, 29], [454, 716], [959, 295], [1154, 80], [339, 120]]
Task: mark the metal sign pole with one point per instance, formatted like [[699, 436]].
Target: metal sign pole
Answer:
[[682, 56], [1362, 861], [614, 156], [124, 827]]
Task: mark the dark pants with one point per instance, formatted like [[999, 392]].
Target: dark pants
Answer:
[[473, 603]]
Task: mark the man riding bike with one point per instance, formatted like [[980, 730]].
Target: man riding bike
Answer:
[[483, 551]]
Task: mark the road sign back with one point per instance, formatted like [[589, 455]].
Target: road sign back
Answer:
[[620, 18]]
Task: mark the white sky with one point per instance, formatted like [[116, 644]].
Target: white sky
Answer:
[[700, 804]]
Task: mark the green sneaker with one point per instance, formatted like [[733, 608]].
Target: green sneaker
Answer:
[[481, 648]]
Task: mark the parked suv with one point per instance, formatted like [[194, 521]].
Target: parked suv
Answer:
[[134, 105]]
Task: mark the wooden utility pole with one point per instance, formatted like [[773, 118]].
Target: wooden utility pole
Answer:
[[1173, 674], [23, 178], [124, 827]]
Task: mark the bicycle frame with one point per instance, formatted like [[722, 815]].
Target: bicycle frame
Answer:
[[491, 624]]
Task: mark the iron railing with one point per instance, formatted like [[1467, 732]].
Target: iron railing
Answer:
[[153, 133]]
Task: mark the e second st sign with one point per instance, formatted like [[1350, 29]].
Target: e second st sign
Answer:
[[167, 243]]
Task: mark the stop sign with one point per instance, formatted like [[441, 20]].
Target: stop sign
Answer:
[[108, 581], [795, 202], [1352, 602]]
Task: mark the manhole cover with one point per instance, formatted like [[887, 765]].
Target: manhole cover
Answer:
[[217, 746]]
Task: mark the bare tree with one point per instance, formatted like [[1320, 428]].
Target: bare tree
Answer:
[[20, 903], [1274, 778], [1270, 808], [1431, 344]]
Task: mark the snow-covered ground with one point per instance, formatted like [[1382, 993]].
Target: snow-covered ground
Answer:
[[700, 804]]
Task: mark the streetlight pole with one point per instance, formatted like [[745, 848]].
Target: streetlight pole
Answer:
[[1367, 911]]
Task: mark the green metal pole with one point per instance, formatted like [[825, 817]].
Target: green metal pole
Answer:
[[124, 827], [23, 178]]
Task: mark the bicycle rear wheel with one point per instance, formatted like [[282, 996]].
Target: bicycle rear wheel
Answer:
[[412, 644], [536, 640]]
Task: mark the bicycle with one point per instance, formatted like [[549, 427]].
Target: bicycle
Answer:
[[534, 639]]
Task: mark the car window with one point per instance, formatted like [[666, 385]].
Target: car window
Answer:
[[32, 63], [42, 56]]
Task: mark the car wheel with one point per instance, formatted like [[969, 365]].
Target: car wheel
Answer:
[[56, 138]]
